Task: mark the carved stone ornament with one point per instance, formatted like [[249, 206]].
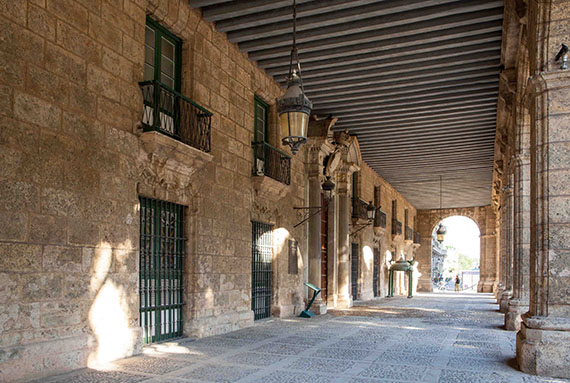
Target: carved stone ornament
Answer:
[[166, 167], [172, 154], [268, 188]]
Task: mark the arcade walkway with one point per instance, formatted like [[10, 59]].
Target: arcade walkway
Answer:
[[445, 337]]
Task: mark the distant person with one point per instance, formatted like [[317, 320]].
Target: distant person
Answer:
[[457, 282]]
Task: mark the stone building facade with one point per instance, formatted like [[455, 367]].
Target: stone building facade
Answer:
[[530, 191], [82, 179], [91, 195]]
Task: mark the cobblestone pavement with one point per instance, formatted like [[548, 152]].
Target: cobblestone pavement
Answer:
[[440, 337]]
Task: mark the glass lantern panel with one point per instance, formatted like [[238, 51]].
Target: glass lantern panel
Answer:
[[294, 124]]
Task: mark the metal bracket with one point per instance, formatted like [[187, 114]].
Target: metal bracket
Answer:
[[311, 215]]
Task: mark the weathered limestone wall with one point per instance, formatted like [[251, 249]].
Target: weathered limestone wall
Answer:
[[543, 343], [484, 217], [370, 238], [74, 163]]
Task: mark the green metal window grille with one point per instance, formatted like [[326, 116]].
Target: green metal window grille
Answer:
[[354, 269], [161, 269], [262, 250]]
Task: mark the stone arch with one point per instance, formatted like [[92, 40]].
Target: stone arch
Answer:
[[468, 214], [484, 218]]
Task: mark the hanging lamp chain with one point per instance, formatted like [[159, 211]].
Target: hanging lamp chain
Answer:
[[440, 198], [294, 52]]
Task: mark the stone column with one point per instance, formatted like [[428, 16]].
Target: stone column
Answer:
[[332, 264], [488, 249], [506, 248], [344, 217], [518, 304], [315, 240], [543, 343], [318, 149]]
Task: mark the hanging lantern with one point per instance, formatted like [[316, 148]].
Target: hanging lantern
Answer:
[[371, 211], [294, 107], [441, 232], [328, 187]]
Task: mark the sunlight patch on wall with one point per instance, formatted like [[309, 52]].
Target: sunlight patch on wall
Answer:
[[110, 325]]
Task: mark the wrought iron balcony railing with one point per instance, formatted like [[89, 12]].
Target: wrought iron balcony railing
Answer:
[[409, 234], [169, 112], [359, 208], [380, 219], [417, 237], [396, 227], [271, 162]]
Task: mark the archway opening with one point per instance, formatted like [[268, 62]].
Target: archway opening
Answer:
[[457, 258]]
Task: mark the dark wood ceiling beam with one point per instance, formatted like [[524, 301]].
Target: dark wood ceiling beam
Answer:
[[414, 107], [357, 51], [449, 98], [418, 58], [460, 128], [272, 16], [375, 29], [344, 45], [387, 13], [418, 78], [434, 88]]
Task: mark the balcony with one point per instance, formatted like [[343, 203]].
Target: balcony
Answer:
[[380, 219], [409, 234], [271, 162], [359, 211], [417, 238], [170, 113], [396, 227]]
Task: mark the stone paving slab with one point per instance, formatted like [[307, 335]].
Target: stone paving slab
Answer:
[[433, 338]]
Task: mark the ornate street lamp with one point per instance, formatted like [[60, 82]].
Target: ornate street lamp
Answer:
[[371, 211], [328, 187], [370, 214], [294, 107], [441, 230]]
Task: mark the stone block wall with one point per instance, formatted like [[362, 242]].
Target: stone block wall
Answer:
[[74, 163], [370, 238]]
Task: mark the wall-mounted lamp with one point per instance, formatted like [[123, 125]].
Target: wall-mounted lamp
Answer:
[[562, 54], [370, 214], [328, 187]]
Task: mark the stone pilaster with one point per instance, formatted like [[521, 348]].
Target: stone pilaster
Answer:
[[318, 148], [543, 343], [344, 217], [519, 302]]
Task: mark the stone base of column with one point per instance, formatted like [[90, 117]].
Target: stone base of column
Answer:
[[499, 294], [496, 288], [344, 302], [286, 311], [425, 285], [543, 346], [366, 296], [516, 308], [319, 308], [485, 286], [503, 301]]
